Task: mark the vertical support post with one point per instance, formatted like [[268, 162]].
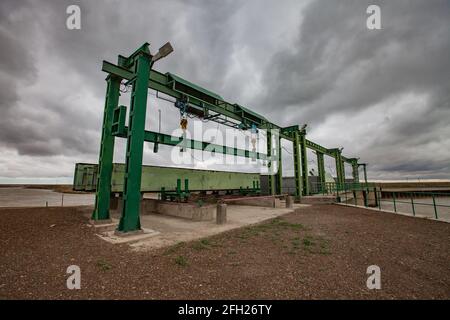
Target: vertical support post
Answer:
[[135, 145], [297, 166], [339, 169], [270, 164], [365, 173], [289, 202], [434, 206], [304, 157], [105, 162], [321, 171], [393, 197], [279, 176], [178, 186], [221, 213], [355, 172], [412, 204], [379, 200]]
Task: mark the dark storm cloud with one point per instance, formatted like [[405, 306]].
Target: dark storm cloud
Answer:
[[294, 62], [339, 67]]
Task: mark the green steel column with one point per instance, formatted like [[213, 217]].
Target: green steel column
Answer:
[[297, 166], [365, 173], [105, 162], [321, 170], [355, 172], [279, 177], [135, 144], [304, 159], [271, 178], [339, 168], [342, 170]]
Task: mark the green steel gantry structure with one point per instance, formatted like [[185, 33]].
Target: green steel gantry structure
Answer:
[[137, 70]]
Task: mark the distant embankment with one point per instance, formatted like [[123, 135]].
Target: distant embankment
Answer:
[[64, 188]]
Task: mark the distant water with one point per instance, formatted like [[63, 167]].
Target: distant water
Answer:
[[24, 197]]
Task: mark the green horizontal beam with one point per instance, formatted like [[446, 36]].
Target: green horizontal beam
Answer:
[[162, 138], [165, 83], [318, 148]]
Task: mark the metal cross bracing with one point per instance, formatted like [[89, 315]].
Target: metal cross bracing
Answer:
[[194, 100]]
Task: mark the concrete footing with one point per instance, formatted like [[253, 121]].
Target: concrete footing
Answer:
[[289, 202], [265, 201], [318, 199], [221, 215], [117, 237], [100, 222], [182, 210], [128, 234]]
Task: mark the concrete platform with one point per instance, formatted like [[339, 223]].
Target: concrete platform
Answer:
[[318, 199], [113, 237], [182, 210], [164, 230]]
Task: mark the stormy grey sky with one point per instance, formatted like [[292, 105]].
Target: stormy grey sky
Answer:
[[384, 95]]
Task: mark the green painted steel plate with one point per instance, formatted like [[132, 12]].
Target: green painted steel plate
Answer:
[[154, 178]]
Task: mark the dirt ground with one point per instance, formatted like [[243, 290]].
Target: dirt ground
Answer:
[[317, 252]]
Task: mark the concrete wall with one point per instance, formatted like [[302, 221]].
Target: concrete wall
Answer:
[[270, 202]]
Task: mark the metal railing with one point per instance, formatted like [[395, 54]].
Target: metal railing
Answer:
[[331, 188], [435, 205], [425, 204]]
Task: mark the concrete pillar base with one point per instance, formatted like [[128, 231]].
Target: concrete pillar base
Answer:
[[289, 202], [129, 233], [221, 214], [100, 222]]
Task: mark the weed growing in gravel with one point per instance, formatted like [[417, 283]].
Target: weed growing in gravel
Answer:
[[296, 244], [181, 261], [105, 266], [174, 248], [273, 226], [278, 222], [317, 245], [307, 241], [201, 245]]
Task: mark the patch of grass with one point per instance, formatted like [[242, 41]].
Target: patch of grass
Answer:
[[279, 222], [200, 203], [307, 242], [296, 243], [274, 226], [174, 248], [105, 266], [181, 261], [202, 244], [316, 245]]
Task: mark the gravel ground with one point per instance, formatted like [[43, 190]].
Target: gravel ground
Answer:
[[319, 252]]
